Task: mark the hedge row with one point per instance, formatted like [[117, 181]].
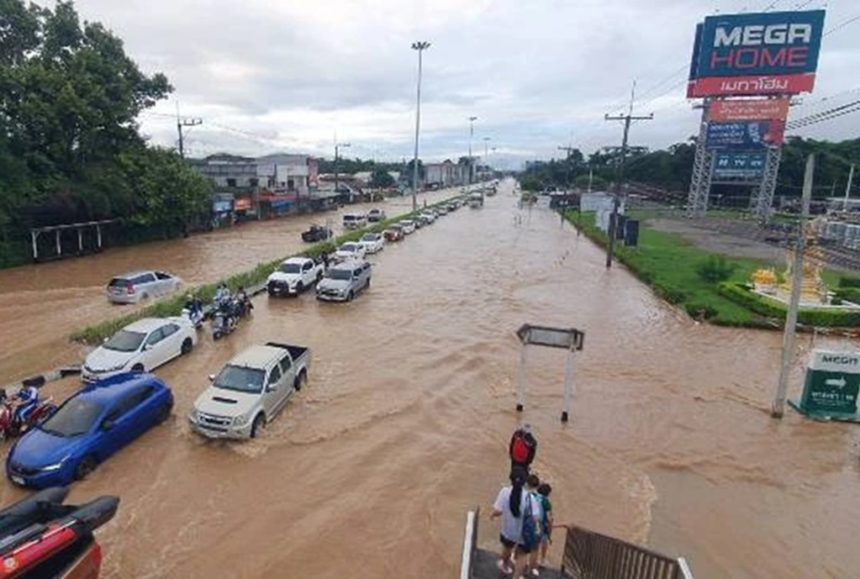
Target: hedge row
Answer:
[[742, 294], [173, 306]]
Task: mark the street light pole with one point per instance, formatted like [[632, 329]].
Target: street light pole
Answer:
[[471, 134], [420, 46], [337, 147], [486, 141]]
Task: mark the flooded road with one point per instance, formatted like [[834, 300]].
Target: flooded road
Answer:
[[405, 422], [41, 305]]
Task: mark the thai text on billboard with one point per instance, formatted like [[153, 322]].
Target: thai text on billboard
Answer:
[[748, 110], [745, 135], [756, 54], [744, 164]]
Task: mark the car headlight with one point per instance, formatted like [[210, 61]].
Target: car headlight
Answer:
[[53, 467], [240, 420]]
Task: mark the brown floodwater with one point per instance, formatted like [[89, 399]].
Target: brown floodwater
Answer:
[[405, 422]]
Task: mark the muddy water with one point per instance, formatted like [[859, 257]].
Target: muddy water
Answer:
[[368, 473], [40, 305]]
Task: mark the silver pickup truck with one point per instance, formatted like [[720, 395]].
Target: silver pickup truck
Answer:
[[250, 391]]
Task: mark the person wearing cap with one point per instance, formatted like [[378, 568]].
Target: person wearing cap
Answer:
[[522, 448]]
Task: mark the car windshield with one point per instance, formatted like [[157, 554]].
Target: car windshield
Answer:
[[125, 341], [74, 417], [369, 237], [339, 274], [240, 379], [348, 247], [291, 268]]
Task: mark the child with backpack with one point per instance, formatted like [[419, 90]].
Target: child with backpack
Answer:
[[544, 489], [522, 448], [532, 535]]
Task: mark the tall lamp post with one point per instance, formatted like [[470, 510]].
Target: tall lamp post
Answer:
[[337, 147], [486, 142], [420, 46], [471, 134]]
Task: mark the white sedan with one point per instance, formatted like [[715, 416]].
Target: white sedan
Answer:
[[372, 242], [408, 226], [141, 346], [349, 250]]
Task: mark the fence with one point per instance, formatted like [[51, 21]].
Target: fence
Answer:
[[470, 544], [589, 555]]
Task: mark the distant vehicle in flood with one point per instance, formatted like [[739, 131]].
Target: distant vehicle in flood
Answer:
[[354, 220], [349, 250], [375, 215], [476, 200], [250, 391], [133, 287], [316, 233], [372, 242], [408, 226], [344, 281], [393, 233], [294, 276]]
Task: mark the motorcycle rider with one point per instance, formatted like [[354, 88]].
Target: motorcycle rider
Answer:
[[245, 305], [28, 400], [194, 305], [222, 294]]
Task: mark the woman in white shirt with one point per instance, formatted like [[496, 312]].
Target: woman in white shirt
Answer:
[[510, 504]]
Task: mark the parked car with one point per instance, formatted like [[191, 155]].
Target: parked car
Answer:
[[408, 226], [141, 346], [344, 281], [294, 276], [428, 216], [453, 206], [393, 233], [372, 242], [354, 220], [132, 287], [42, 537], [375, 215], [87, 429], [420, 221], [476, 200], [349, 250], [441, 210], [316, 233], [250, 390]]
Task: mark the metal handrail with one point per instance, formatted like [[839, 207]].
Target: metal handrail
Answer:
[[590, 555], [470, 544]]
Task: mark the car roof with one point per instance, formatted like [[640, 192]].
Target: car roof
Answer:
[[298, 260], [257, 356], [132, 274], [344, 244], [370, 234], [106, 391], [146, 324], [350, 264]]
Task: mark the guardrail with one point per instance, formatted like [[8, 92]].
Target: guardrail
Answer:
[[470, 544], [590, 555]]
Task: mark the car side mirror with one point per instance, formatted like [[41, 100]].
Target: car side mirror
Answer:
[[147, 347], [211, 377], [107, 425]]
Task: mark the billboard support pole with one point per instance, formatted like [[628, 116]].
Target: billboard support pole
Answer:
[[700, 184], [761, 203], [794, 301]]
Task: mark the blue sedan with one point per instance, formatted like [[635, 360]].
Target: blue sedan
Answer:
[[88, 428]]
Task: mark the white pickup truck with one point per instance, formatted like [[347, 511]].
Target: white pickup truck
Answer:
[[250, 391], [294, 276]]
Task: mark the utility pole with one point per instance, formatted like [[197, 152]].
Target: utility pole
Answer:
[[569, 150], [180, 123], [619, 170], [848, 188], [337, 147], [420, 46], [471, 134], [794, 303], [486, 142]]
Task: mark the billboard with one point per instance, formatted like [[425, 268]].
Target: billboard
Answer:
[[749, 164], [748, 110], [756, 54], [745, 135]]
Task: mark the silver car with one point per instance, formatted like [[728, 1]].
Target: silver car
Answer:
[[344, 281], [132, 287]]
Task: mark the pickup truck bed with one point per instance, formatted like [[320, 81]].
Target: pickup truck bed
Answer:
[[296, 352]]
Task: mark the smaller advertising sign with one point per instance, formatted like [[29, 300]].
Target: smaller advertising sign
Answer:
[[745, 164], [748, 110], [746, 135], [751, 85]]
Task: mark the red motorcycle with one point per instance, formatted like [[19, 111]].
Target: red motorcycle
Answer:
[[11, 426]]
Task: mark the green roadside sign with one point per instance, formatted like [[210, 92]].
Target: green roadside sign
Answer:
[[831, 387]]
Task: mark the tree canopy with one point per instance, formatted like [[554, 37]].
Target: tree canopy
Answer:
[[69, 142]]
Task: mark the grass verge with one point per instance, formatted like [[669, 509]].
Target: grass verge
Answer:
[[669, 265], [173, 306]]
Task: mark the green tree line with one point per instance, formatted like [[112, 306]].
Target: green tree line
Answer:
[[671, 168], [70, 149]]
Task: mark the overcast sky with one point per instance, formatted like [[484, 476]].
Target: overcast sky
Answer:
[[288, 75]]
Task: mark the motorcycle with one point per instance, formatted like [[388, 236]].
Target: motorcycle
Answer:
[[225, 318], [243, 305], [11, 426]]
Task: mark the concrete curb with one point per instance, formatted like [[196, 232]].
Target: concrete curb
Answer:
[[40, 380]]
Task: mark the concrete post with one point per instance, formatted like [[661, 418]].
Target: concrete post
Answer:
[[80, 241], [33, 237], [568, 387], [521, 380], [57, 239], [98, 236]]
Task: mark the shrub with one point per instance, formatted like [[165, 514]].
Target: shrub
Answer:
[[715, 269], [766, 307], [849, 282], [700, 311], [670, 294]]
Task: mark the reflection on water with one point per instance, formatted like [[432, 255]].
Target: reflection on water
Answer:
[[404, 425]]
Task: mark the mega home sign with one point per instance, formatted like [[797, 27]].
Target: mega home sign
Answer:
[[748, 54]]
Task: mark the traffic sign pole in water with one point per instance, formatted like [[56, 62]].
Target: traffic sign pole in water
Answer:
[[794, 304]]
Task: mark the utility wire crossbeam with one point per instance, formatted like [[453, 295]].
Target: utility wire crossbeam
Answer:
[[180, 123]]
